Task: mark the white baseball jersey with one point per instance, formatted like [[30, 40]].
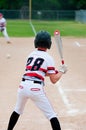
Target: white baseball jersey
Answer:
[[38, 64], [2, 21], [2, 25]]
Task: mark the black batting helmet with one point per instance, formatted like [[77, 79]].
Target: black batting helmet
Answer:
[[43, 39]]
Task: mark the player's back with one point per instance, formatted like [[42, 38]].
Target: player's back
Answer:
[[38, 63]]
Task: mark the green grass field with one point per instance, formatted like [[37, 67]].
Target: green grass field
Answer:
[[22, 28]]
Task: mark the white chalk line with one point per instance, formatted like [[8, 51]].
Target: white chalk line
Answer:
[[79, 44], [70, 111], [65, 99], [76, 112], [75, 90], [33, 28], [63, 95]]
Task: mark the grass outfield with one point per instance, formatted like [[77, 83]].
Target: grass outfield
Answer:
[[23, 28]]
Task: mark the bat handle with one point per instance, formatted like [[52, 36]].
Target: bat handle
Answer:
[[62, 62]]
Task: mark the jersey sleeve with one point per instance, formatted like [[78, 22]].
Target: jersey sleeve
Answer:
[[51, 66]]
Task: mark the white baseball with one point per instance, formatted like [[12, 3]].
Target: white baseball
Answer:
[[8, 56]]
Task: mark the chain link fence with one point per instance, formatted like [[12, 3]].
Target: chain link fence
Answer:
[[39, 15], [80, 16], [46, 14]]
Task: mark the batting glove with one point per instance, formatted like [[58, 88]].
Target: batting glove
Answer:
[[63, 68]]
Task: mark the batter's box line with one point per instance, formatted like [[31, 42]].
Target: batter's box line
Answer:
[[65, 99], [76, 112], [78, 44], [75, 90]]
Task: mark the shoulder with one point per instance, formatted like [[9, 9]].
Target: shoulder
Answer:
[[3, 20], [49, 56]]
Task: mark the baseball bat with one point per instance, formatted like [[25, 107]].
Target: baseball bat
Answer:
[[58, 42]]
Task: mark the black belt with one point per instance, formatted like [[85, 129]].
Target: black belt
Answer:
[[37, 82]]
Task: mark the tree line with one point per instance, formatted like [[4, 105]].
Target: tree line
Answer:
[[44, 4]]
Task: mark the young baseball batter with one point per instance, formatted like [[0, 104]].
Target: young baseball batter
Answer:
[[3, 27], [39, 65]]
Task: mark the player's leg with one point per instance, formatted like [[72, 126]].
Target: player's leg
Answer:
[[21, 101], [55, 123], [13, 120], [6, 35], [44, 105]]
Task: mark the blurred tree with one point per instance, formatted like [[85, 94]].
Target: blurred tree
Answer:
[[81, 4], [66, 4], [44, 4], [3, 4], [9, 4], [15, 4]]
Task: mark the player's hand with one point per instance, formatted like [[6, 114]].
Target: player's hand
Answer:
[[63, 68]]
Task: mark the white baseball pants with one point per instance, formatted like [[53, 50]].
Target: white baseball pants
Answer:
[[34, 91]]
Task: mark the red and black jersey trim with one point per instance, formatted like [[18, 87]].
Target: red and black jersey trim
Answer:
[[51, 68], [41, 69], [34, 75], [28, 67]]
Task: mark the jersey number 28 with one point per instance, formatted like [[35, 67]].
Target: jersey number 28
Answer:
[[36, 64]]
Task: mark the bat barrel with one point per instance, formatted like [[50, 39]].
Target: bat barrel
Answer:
[[57, 32], [59, 44]]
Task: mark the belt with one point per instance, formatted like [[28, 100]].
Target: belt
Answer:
[[36, 82]]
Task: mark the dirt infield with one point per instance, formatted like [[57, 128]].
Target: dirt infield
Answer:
[[68, 96]]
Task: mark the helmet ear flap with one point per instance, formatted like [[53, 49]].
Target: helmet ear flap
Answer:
[[50, 42], [43, 39], [35, 43]]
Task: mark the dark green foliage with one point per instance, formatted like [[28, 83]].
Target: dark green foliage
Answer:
[[11, 4], [44, 4]]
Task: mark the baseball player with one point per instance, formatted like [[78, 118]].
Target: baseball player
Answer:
[[3, 27], [39, 65]]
